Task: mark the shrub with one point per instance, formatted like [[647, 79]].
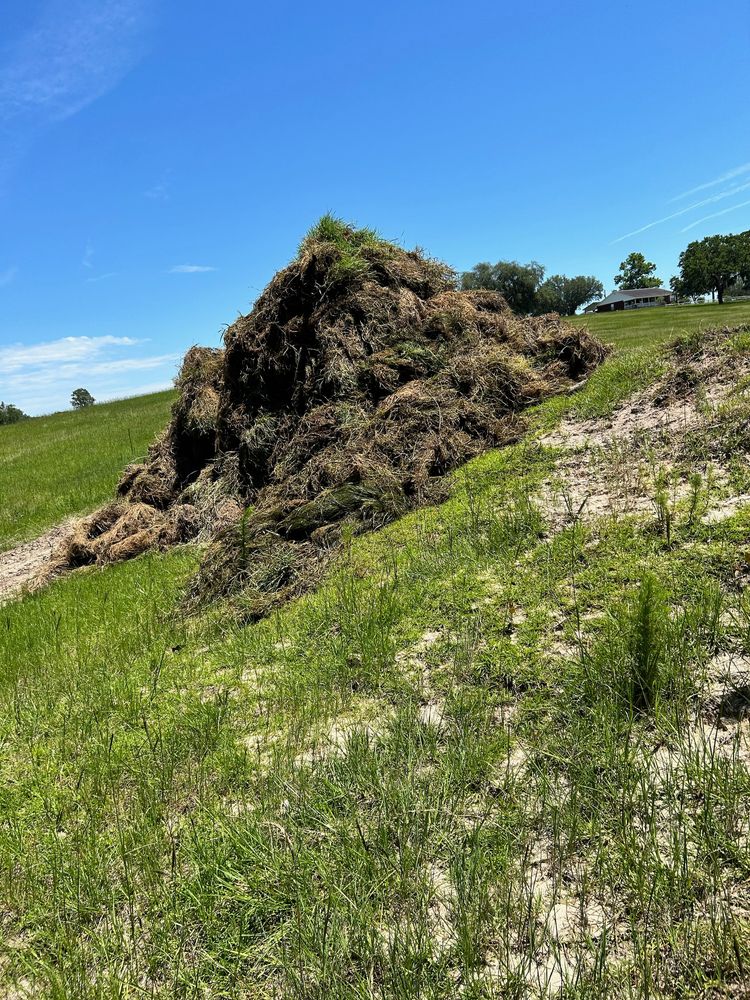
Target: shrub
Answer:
[[10, 414]]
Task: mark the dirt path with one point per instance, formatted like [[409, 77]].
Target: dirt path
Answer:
[[20, 565]]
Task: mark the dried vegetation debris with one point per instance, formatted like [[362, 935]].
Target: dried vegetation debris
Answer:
[[358, 381]]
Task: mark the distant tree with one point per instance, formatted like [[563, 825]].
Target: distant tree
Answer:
[[636, 272], [681, 292], [714, 264], [565, 295], [10, 414], [517, 283], [81, 398]]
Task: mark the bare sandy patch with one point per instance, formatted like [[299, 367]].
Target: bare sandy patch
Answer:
[[726, 508], [609, 466], [20, 566]]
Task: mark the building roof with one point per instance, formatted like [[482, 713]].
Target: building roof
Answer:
[[626, 294], [639, 293]]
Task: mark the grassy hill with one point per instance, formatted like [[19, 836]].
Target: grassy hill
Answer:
[[502, 751], [644, 327], [68, 463]]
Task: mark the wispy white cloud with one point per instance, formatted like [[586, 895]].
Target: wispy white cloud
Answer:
[[102, 277], [715, 215], [46, 376], [88, 255], [133, 364], [730, 175], [8, 275], [160, 191], [76, 51], [190, 269], [40, 377], [17, 357], [119, 390], [712, 199]]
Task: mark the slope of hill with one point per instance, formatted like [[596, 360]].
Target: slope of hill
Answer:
[[66, 463], [501, 751], [645, 327]]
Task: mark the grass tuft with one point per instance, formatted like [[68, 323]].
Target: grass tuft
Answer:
[[353, 248], [645, 632]]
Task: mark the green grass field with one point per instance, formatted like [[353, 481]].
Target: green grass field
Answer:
[[386, 789], [643, 327], [69, 462], [466, 765]]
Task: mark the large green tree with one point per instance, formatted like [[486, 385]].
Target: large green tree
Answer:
[[714, 264], [636, 272], [564, 295], [517, 283], [81, 398]]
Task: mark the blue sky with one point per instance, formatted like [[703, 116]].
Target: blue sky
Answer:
[[159, 161]]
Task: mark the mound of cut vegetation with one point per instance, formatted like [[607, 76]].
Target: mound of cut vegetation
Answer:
[[358, 381]]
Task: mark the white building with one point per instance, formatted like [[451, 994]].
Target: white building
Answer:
[[631, 298]]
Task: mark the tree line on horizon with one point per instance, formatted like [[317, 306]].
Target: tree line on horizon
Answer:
[[715, 264], [524, 289]]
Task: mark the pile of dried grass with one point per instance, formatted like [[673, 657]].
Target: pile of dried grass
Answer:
[[360, 378]]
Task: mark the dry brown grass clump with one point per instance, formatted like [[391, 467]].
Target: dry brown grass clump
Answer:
[[358, 381]]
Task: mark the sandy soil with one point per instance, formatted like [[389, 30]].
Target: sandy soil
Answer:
[[607, 465], [19, 566]]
